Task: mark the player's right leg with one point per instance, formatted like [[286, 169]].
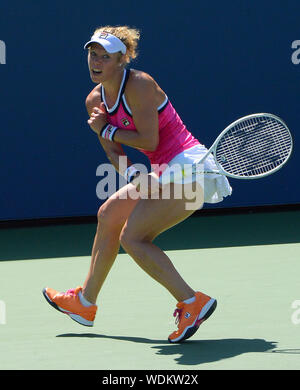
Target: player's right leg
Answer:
[[80, 303]]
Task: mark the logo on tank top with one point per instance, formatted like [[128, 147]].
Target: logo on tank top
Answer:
[[125, 122]]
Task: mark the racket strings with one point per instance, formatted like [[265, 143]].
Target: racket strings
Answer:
[[255, 163], [253, 147], [260, 157]]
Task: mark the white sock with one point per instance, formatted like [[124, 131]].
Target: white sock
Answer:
[[190, 300], [84, 301]]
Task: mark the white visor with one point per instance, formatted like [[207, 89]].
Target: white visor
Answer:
[[110, 42]]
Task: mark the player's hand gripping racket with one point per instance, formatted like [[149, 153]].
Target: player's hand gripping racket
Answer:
[[252, 147]]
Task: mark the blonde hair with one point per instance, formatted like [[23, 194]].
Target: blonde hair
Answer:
[[129, 36]]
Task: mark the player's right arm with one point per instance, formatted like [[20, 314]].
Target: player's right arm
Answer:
[[113, 150]]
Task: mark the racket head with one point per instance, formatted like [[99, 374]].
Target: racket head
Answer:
[[253, 146]]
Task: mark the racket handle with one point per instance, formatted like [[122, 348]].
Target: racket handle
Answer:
[[179, 173]]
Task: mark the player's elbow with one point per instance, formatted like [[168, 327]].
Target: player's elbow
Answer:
[[151, 145], [151, 148]]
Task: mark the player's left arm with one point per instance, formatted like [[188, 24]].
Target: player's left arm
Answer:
[[142, 97]]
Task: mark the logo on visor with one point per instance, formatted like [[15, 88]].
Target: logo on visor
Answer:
[[103, 35]]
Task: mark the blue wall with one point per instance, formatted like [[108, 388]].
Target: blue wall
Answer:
[[217, 61]]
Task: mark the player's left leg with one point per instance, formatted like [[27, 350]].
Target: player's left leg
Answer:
[[149, 218]]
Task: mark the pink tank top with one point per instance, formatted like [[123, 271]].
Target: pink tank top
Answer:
[[174, 137]]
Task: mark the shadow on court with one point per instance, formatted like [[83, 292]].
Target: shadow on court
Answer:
[[194, 352], [194, 233]]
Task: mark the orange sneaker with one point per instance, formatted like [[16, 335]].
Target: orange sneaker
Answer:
[[191, 315], [69, 303]]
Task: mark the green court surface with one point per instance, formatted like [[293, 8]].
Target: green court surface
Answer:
[[250, 263]]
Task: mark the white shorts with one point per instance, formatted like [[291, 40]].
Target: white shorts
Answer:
[[216, 187]]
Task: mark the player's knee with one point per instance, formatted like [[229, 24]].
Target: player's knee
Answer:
[[102, 214], [107, 217], [127, 239]]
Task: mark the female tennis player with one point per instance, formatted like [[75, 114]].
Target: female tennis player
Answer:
[[128, 107]]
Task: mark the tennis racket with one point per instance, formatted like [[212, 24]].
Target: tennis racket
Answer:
[[252, 147]]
